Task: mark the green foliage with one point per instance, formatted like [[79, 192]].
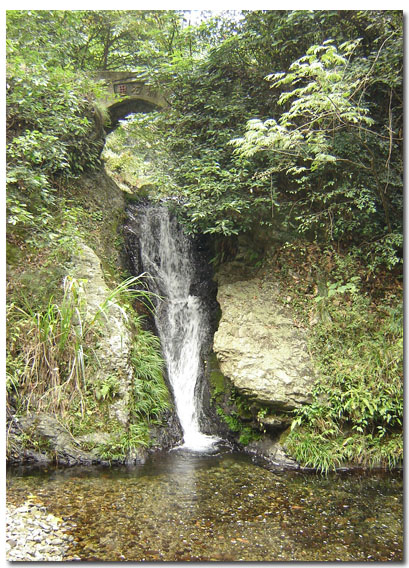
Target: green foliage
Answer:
[[324, 297], [123, 442], [52, 351], [52, 114], [38, 149], [108, 388], [150, 396], [232, 420], [94, 39], [357, 412], [246, 433], [327, 453], [28, 440], [51, 345], [164, 152], [51, 137], [327, 129], [323, 151]]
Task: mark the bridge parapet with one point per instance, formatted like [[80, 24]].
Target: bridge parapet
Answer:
[[124, 84], [127, 94]]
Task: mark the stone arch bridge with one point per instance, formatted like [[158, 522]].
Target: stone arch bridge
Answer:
[[128, 94]]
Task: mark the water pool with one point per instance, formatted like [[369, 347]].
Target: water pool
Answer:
[[182, 506]]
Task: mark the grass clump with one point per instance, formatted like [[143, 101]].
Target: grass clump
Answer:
[[47, 350], [148, 402], [52, 363], [356, 341], [150, 396]]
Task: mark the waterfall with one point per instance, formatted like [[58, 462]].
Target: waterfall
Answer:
[[180, 316]]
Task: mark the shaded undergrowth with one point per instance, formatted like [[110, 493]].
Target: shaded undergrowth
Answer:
[[356, 341]]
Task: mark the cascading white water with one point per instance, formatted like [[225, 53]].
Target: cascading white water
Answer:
[[180, 317]]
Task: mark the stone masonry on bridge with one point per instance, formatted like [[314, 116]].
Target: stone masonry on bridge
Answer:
[[127, 94]]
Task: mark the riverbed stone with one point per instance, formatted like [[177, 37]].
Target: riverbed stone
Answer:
[[258, 345], [47, 542]]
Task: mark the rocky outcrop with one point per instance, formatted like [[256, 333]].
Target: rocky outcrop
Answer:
[[115, 341], [258, 346], [272, 451], [56, 441]]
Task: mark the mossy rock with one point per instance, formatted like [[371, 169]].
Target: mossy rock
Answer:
[[220, 385], [284, 435], [13, 255], [276, 420]]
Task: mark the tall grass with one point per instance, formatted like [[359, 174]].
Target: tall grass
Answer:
[[50, 346], [150, 396], [50, 351]]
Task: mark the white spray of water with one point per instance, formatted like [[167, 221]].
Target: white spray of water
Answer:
[[180, 317]]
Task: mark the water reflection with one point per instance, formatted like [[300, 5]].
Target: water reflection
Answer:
[[186, 506]]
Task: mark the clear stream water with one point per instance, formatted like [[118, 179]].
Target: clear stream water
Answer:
[[217, 506], [186, 506]]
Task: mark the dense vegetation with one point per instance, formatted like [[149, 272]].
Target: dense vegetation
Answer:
[[284, 123], [54, 135]]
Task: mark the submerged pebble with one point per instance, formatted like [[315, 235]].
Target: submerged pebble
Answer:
[[200, 508]]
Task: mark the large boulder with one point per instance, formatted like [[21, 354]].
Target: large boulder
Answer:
[[259, 347]]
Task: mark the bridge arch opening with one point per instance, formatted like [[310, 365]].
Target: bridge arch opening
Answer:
[[120, 110], [126, 94]]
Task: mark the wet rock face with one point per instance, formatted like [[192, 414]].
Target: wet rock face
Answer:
[[258, 346]]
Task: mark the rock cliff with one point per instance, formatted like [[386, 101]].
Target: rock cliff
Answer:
[[262, 352], [40, 435]]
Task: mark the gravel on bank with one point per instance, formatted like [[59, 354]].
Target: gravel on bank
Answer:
[[34, 534]]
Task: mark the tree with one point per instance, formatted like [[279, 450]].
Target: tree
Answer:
[[94, 39], [341, 157], [337, 105]]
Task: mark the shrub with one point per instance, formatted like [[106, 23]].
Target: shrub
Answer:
[[357, 412]]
